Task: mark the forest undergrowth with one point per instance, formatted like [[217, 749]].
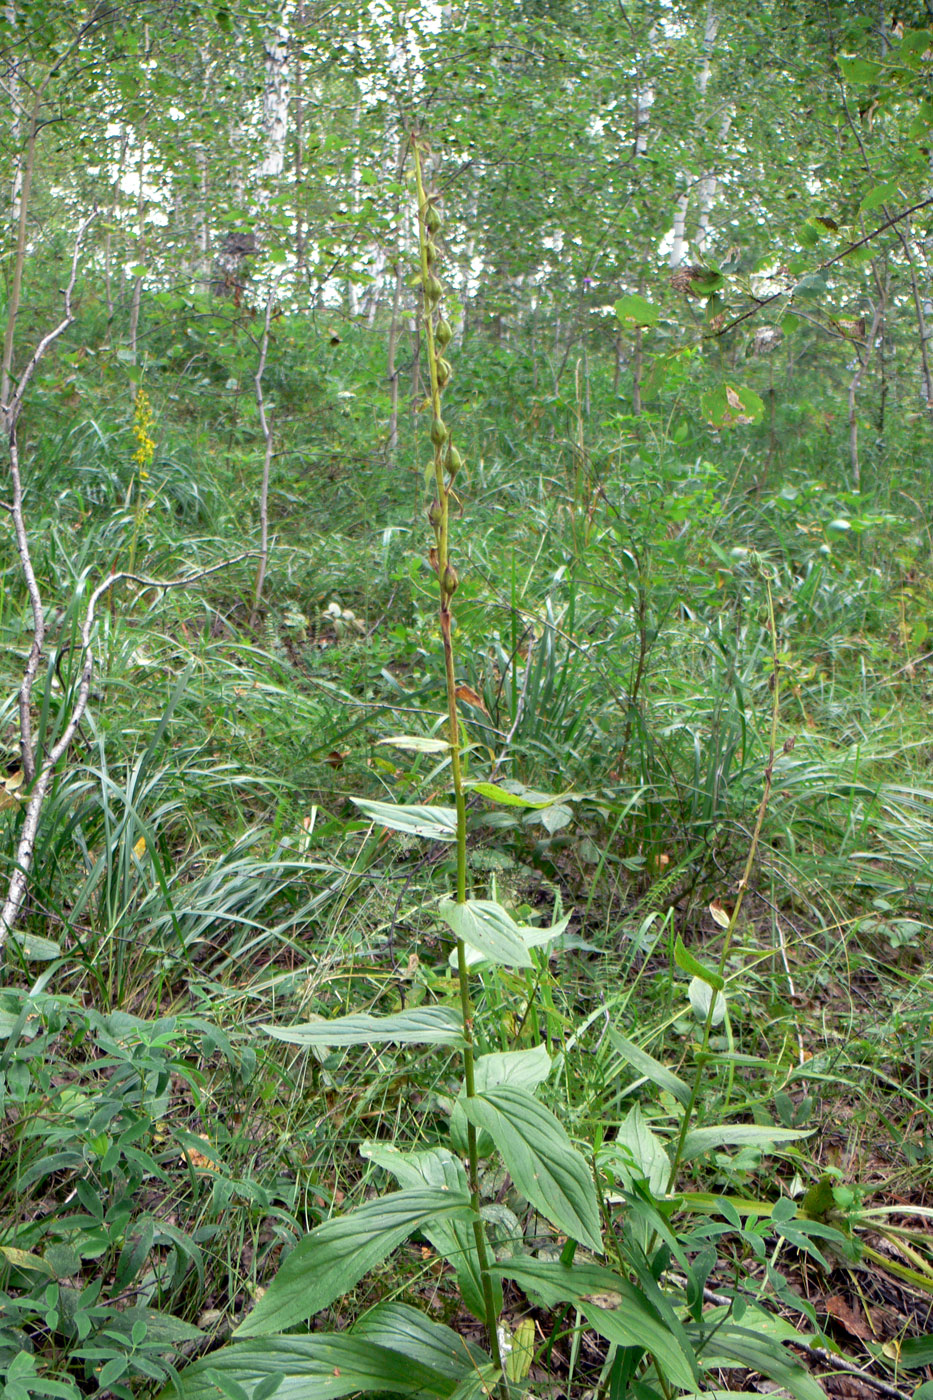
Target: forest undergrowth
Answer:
[[662, 634]]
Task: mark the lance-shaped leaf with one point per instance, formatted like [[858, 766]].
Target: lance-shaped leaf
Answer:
[[627, 1318], [730, 1345], [453, 1239], [543, 1163], [336, 1255], [423, 1025], [429, 1343], [436, 823], [486, 926], [651, 1068], [700, 1140], [320, 1367]]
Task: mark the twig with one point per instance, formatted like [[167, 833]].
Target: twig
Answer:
[[837, 257], [9, 414]]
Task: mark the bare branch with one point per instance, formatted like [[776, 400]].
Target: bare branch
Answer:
[[11, 411]]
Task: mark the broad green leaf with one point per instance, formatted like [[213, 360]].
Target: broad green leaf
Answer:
[[688, 963], [737, 1346], [416, 743], [22, 1259], [613, 1306], [454, 1240], [729, 405], [700, 1140], [499, 930], [638, 1154], [36, 949], [637, 310], [406, 1330], [320, 1367], [515, 795], [701, 995], [436, 823], [486, 926], [915, 1352], [336, 1255], [881, 194], [422, 1025], [651, 1068], [543, 1163], [525, 1069], [860, 70]]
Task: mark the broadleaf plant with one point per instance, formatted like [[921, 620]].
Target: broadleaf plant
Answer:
[[394, 1349]]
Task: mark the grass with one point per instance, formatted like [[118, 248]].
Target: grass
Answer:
[[201, 871]]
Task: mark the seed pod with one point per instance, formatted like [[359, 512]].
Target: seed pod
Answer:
[[433, 219], [443, 333], [431, 252], [444, 372], [435, 514], [432, 289], [451, 581], [454, 461], [439, 433]]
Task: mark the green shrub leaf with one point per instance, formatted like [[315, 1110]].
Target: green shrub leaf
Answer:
[[320, 1367]]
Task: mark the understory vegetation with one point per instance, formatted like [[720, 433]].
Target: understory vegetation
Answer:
[[203, 873], [474, 934]]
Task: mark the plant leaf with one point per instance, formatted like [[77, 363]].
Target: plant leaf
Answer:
[[406, 1330], [651, 1068], [629, 1321], [700, 1140], [739, 1346], [336, 1255], [416, 743], [453, 1239], [486, 926], [688, 963], [543, 1163], [436, 823], [422, 1025], [320, 1367], [637, 310]]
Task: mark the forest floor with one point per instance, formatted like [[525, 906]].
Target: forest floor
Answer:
[[203, 872]]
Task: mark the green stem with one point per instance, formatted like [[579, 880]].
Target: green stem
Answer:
[[441, 524]]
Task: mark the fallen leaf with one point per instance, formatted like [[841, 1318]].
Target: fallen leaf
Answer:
[[846, 1315]]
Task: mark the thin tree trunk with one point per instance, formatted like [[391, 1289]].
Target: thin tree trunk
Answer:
[[265, 423], [863, 360]]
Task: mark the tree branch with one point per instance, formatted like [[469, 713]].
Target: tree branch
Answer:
[[837, 257]]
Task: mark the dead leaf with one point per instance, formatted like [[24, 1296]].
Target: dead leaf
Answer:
[[469, 695], [720, 913], [845, 1314]]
